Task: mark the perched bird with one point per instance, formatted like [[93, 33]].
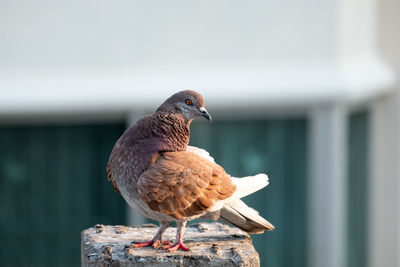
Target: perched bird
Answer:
[[163, 178]]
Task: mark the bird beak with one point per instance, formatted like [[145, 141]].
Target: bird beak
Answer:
[[205, 114]]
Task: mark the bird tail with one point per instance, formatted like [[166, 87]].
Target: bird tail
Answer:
[[248, 185], [244, 217], [236, 212]]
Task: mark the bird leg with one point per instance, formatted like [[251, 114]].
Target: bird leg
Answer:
[[157, 239], [179, 239]]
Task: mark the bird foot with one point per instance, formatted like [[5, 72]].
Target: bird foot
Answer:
[[158, 242], [153, 243], [175, 247]]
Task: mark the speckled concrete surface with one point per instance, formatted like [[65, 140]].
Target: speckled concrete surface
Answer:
[[211, 244]]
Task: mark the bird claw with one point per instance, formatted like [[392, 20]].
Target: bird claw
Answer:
[[175, 247], [157, 243], [154, 244]]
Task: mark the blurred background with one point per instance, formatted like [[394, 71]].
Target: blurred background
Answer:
[[304, 90]]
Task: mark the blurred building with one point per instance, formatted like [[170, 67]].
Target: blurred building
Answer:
[[305, 91]]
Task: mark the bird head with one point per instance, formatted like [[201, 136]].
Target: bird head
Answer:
[[188, 103]]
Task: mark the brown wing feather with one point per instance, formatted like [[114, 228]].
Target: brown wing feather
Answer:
[[110, 178], [184, 184]]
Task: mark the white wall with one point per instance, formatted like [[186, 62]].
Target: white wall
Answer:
[[385, 184], [159, 34], [90, 56]]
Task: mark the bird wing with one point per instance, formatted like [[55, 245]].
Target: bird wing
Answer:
[[184, 184]]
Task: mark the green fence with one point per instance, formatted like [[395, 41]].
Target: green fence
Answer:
[[52, 186]]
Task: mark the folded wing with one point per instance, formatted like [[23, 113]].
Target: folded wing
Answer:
[[184, 184]]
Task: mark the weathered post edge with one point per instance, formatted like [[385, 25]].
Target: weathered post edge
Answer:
[[211, 244]]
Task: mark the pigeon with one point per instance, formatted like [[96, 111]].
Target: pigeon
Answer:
[[153, 167]]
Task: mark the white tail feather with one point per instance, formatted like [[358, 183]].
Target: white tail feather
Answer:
[[244, 217], [248, 185], [236, 212]]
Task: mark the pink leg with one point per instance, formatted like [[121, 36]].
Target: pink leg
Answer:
[[179, 239], [157, 239]]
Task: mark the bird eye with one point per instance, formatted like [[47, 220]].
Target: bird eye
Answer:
[[188, 102]]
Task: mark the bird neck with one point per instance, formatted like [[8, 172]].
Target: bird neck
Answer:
[[174, 129]]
